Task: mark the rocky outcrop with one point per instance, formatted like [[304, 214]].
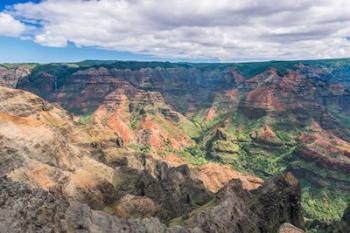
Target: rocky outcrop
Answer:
[[40, 147], [237, 210], [170, 191], [23, 209], [33, 210], [269, 198], [289, 228], [9, 77]]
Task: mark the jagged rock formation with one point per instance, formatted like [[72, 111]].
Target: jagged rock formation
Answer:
[[23, 209], [229, 213]]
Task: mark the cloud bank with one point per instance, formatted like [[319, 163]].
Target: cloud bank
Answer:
[[180, 29], [10, 26]]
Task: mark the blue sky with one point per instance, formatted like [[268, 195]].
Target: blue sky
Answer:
[[173, 30], [15, 50], [4, 3]]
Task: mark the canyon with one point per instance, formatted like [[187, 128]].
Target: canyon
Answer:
[[112, 146]]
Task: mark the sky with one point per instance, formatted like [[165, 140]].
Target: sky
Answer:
[[173, 30]]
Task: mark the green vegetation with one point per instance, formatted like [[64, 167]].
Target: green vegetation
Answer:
[[194, 155], [85, 120], [60, 71], [134, 146], [132, 65], [259, 163], [253, 68], [323, 204], [245, 125], [134, 122], [190, 128], [79, 111], [198, 120], [16, 65], [221, 145], [324, 173], [215, 121], [345, 120], [145, 149], [55, 68]]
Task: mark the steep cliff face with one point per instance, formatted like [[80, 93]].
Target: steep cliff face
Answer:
[[39, 146], [9, 77]]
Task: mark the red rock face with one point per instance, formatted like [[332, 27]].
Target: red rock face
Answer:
[[325, 148], [133, 114], [321, 160], [292, 93], [212, 113], [215, 176], [114, 114]]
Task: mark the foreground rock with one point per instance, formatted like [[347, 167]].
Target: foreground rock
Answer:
[[23, 209], [261, 210], [288, 228]]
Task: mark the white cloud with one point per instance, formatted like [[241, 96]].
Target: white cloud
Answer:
[[223, 29], [10, 26]]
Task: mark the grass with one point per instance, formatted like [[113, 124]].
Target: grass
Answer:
[[16, 65], [145, 149], [190, 128], [85, 120], [221, 145]]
